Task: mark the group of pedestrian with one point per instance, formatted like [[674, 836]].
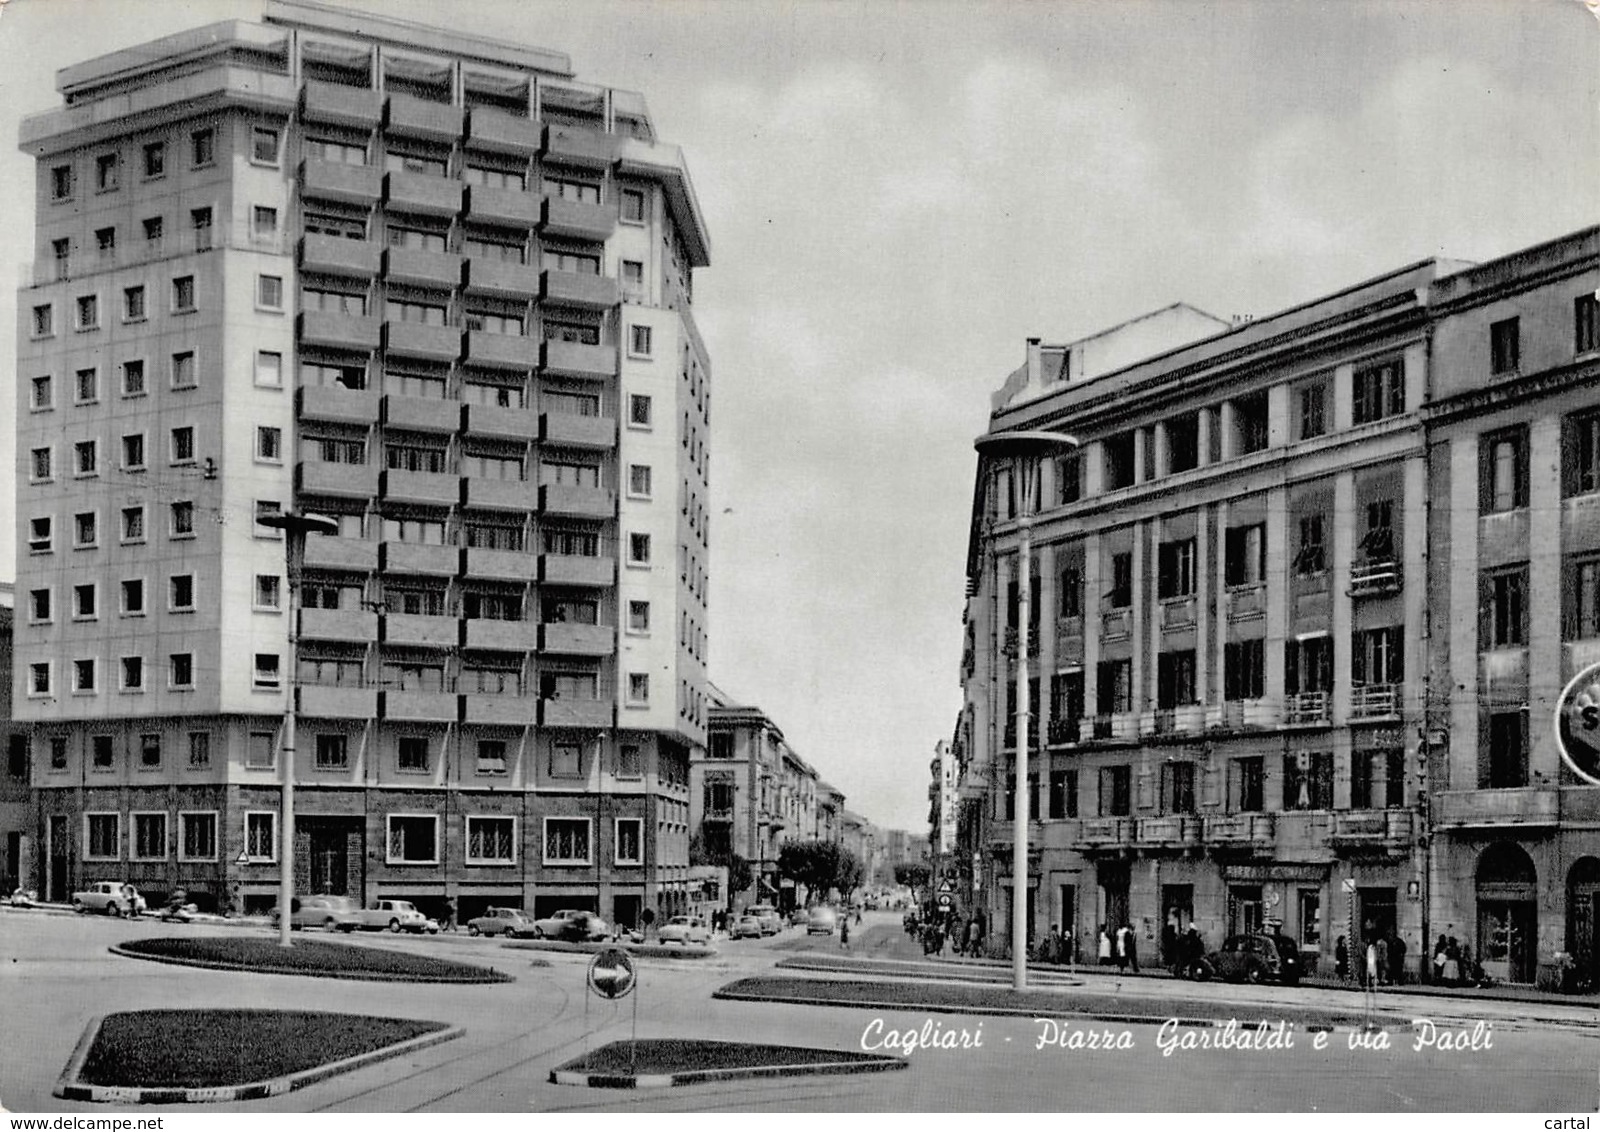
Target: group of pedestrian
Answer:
[[1454, 966], [1119, 946], [1187, 949], [1056, 947]]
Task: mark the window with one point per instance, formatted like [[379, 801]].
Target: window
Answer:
[[1069, 479], [1378, 542], [1505, 346], [199, 748], [264, 145], [269, 369], [183, 293], [182, 519], [133, 378], [1308, 780], [1244, 670], [1377, 778], [61, 182], [1250, 422], [566, 841], [1119, 469], [491, 840], [1114, 687], [566, 760], [202, 148], [102, 752], [1063, 801], [42, 464], [639, 480], [133, 305], [181, 592], [413, 839], [1505, 762], [1069, 593], [630, 841], [1176, 569], [262, 751], [153, 231], [1582, 599], [1503, 471], [639, 341], [102, 836], [1504, 619], [1378, 391], [630, 761], [84, 676], [149, 837], [267, 591], [105, 242], [412, 753], [183, 444], [1120, 596], [633, 280], [183, 372], [133, 597], [1248, 774], [85, 529], [1313, 411], [269, 292], [1175, 679], [40, 537], [269, 444], [88, 312], [39, 605], [1586, 323], [197, 836], [43, 393], [155, 159], [333, 752], [638, 616], [632, 206], [200, 221], [39, 682], [638, 687], [133, 452], [267, 674], [107, 173], [180, 670], [85, 602], [86, 386], [638, 549], [1177, 787], [491, 756], [1245, 555], [1116, 794], [261, 836]]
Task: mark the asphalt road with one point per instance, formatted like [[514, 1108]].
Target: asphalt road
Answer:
[[55, 974]]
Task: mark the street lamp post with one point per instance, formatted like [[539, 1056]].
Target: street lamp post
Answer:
[[1023, 449], [295, 527]]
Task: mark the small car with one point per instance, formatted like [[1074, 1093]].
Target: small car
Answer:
[[113, 897], [771, 922], [330, 913], [746, 926], [1254, 957], [685, 929], [571, 924], [396, 915], [510, 922], [822, 921]]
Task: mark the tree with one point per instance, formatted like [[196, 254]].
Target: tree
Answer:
[[848, 875], [914, 875], [811, 863], [740, 876]]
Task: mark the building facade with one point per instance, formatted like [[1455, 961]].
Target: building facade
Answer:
[[436, 289], [1251, 701]]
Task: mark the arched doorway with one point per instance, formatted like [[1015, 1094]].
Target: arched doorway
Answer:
[[1508, 913], [1583, 918]]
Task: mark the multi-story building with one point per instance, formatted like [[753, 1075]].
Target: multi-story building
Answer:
[[434, 288], [17, 815], [942, 804]]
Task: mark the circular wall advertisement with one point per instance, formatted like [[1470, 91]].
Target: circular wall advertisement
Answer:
[[1578, 724]]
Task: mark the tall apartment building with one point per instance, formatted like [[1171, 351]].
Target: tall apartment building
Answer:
[[1255, 694], [433, 287]]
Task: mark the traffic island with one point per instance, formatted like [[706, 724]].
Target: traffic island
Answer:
[[664, 1062], [208, 1056], [311, 957], [643, 950]]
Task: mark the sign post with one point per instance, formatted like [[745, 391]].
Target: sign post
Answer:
[[612, 975]]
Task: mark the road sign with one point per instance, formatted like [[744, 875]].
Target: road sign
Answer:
[[946, 886], [945, 900], [611, 974], [1578, 724], [1348, 884]]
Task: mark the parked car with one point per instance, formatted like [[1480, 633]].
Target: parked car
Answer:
[[501, 921], [330, 913], [113, 897], [771, 922], [572, 924], [396, 915], [822, 921], [741, 927], [685, 929], [1251, 958]]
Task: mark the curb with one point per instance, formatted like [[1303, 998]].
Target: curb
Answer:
[[701, 1076], [349, 976], [648, 950], [68, 1088]]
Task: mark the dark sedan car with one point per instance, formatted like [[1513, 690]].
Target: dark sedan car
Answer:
[[1251, 958]]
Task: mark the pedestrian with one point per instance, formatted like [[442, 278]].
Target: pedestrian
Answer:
[[1341, 959], [844, 933], [1131, 947], [130, 897], [1169, 943], [1440, 950], [1194, 950], [1052, 945], [1369, 974], [1105, 947], [1380, 948], [1452, 963], [1397, 958], [448, 923], [972, 938], [1122, 948], [1471, 975]]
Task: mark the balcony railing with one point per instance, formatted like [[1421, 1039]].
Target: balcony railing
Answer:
[[1375, 577], [1375, 701], [1373, 829], [1169, 830], [1526, 806], [1065, 730], [1306, 709], [1178, 612], [1239, 829], [1102, 833], [1116, 624], [1117, 725]]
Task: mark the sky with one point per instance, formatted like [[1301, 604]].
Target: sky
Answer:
[[900, 193]]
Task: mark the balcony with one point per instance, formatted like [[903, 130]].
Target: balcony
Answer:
[[1239, 715], [1104, 833], [330, 552], [420, 558], [435, 488], [502, 636], [500, 495], [417, 268], [419, 118], [577, 570], [340, 105], [1306, 709], [502, 279], [1525, 807], [418, 340], [569, 289], [723, 814], [419, 707], [1183, 719], [508, 424], [501, 565], [1375, 701], [1178, 612], [336, 403], [1373, 831], [489, 350], [505, 711], [1064, 730], [577, 502], [575, 220], [343, 481], [577, 640], [325, 701], [572, 431], [498, 131], [421, 414], [1118, 726], [508, 208], [338, 331], [579, 147], [422, 194], [576, 713], [338, 625], [1375, 578], [1246, 603], [1173, 831], [1242, 831], [577, 359], [336, 181], [1116, 624], [421, 630], [336, 255]]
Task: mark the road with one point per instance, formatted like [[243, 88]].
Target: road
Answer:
[[55, 974]]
